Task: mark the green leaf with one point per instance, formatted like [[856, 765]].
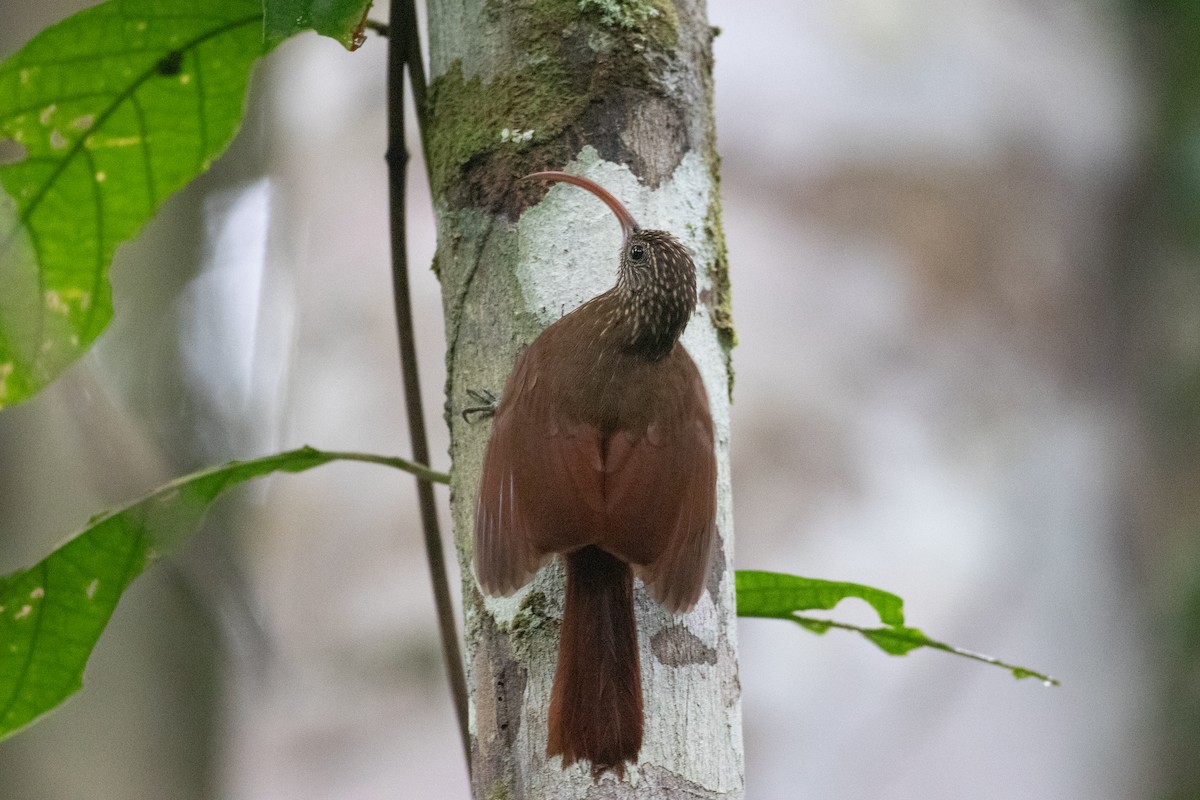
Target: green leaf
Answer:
[[775, 595], [52, 613], [780, 596], [338, 19], [115, 108]]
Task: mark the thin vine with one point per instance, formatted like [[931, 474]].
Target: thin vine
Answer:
[[404, 53]]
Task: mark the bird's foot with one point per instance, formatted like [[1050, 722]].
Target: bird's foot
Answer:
[[486, 408]]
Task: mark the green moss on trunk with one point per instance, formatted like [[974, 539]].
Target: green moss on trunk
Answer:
[[485, 130], [720, 304], [468, 118]]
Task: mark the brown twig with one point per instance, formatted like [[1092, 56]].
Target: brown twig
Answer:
[[379, 28]]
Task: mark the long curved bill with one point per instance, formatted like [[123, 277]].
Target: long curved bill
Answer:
[[628, 223]]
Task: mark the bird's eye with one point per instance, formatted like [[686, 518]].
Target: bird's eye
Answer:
[[637, 252]]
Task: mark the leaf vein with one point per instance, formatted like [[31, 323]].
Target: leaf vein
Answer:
[[98, 266], [144, 131]]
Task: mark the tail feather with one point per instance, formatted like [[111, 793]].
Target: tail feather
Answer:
[[596, 703]]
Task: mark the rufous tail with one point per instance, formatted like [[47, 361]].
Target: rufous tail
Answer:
[[596, 702]]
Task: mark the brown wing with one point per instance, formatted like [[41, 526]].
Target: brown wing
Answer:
[[660, 490], [542, 483]]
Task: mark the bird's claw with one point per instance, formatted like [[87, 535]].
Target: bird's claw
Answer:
[[486, 408]]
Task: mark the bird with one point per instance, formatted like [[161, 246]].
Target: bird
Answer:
[[601, 452]]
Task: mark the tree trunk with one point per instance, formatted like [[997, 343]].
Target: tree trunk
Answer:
[[620, 92]]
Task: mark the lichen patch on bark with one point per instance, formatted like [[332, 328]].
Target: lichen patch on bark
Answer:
[[677, 646]]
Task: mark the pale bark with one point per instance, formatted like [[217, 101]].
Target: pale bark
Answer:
[[622, 93]]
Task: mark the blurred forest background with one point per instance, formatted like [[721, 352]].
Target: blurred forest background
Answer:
[[965, 253]]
